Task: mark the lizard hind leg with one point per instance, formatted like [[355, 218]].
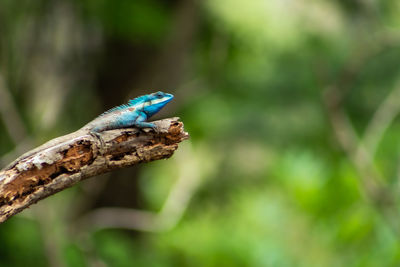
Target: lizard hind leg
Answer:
[[98, 137]]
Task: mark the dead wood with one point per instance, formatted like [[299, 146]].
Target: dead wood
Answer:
[[64, 161]]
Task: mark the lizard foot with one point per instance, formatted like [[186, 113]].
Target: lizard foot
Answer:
[[97, 136], [154, 128]]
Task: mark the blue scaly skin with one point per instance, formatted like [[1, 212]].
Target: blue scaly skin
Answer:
[[133, 114]]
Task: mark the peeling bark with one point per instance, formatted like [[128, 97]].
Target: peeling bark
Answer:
[[64, 161]]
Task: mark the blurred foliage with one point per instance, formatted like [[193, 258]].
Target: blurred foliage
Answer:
[[258, 85], [136, 20]]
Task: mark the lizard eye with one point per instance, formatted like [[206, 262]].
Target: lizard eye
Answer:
[[159, 95]]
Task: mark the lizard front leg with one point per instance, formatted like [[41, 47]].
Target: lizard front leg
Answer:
[[140, 122]]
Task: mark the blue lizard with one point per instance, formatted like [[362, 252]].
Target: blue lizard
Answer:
[[133, 114]]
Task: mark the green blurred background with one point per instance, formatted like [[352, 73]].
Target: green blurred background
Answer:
[[292, 107]]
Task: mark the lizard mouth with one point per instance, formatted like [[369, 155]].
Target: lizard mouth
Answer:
[[164, 99]]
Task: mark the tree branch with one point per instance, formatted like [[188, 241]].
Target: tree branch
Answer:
[[64, 161], [187, 182]]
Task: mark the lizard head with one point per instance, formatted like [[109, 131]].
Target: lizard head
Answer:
[[152, 103]]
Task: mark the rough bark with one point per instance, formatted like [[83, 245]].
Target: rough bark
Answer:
[[64, 161]]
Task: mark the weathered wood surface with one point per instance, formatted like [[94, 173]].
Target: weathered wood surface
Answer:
[[66, 160]]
